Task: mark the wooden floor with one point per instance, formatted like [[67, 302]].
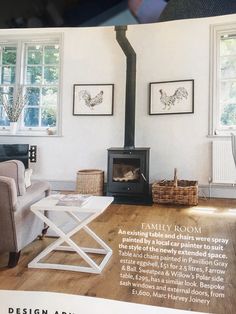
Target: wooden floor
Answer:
[[217, 218]]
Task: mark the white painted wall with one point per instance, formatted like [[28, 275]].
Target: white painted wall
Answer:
[[166, 51]]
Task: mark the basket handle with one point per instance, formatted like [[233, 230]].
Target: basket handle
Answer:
[[175, 178]]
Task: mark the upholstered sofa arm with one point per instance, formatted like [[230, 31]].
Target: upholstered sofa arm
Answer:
[[14, 169], [37, 191], [19, 226], [8, 200], [8, 193]]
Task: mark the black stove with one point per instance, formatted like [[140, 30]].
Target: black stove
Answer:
[[128, 174]]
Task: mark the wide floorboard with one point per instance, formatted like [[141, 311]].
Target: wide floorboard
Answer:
[[215, 217]]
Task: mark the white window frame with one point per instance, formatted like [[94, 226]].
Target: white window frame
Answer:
[[216, 31], [21, 41]]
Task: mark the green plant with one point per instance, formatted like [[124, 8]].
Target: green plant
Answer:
[[14, 104], [228, 116]]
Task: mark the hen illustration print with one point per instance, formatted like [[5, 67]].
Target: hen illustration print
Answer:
[[170, 100], [171, 97], [93, 99], [89, 101]]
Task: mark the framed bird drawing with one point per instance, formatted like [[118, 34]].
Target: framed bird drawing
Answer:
[[93, 99], [171, 97]]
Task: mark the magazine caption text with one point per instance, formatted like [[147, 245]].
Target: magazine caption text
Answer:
[[173, 262]]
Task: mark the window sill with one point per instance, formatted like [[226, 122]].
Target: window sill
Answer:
[[27, 134], [219, 136], [222, 133]]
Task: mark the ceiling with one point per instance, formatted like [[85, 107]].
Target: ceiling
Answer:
[[58, 13]]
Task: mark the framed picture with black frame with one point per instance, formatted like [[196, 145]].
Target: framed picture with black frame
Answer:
[[93, 99], [171, 97]]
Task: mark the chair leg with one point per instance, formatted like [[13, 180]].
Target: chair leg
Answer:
[[44, 232], [13, 259]]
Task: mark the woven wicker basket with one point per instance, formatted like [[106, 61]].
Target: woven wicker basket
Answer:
[[181, 192], [90, 181]]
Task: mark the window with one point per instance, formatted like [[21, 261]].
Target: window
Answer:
[[223, 80], [35, 65], [7, 76], [228, 81]]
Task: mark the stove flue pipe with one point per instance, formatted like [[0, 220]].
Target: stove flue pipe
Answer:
[[130, 86]]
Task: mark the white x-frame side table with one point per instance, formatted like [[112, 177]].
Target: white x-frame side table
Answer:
[[95, 206]]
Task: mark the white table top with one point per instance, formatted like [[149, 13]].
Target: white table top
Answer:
[[96, 204]]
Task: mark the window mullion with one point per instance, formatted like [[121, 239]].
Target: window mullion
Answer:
[[21, 73], [42, 85], [19, 64], [40, 105]]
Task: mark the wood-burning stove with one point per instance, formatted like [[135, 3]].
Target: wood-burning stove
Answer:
[[128, 173]]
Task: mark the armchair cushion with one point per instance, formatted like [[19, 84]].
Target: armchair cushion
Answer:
[[14, 169], [28, 174], [33, 226]]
